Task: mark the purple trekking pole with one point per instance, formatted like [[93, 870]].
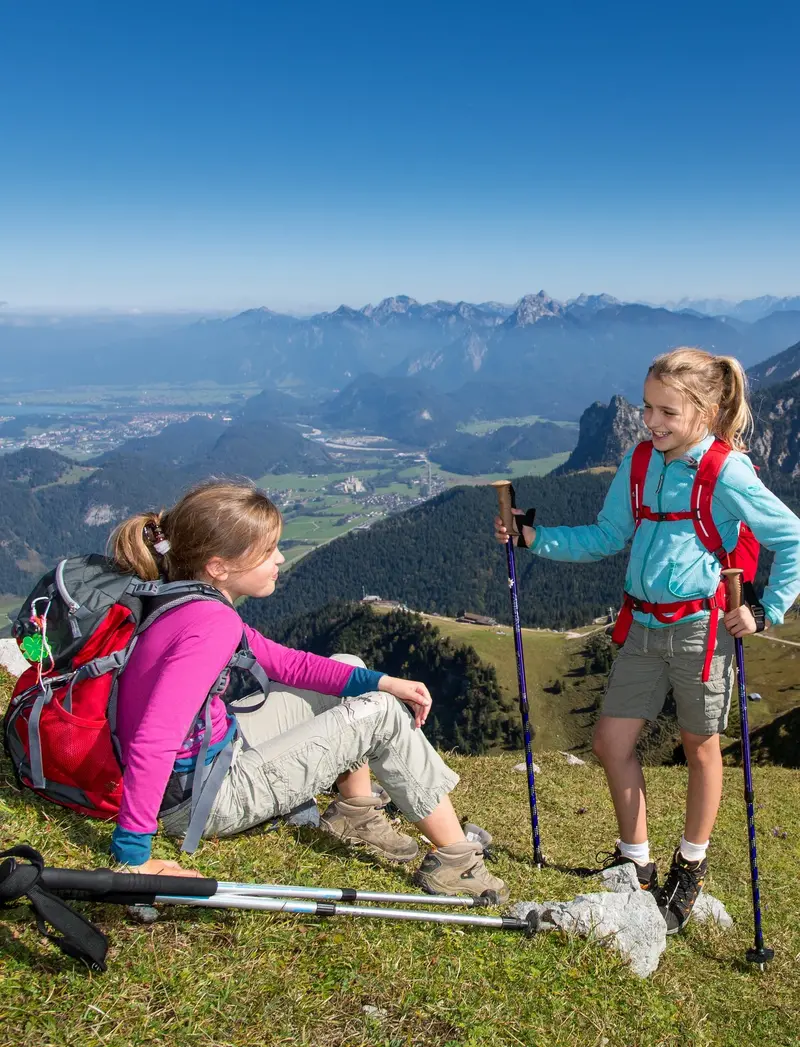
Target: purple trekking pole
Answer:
[[506, 505], [759, 954]]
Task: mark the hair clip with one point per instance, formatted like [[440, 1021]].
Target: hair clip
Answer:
[[156, 537]]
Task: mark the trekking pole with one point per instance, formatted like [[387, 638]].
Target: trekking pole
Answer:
[[312, 908], [103, 885], [759, 954], [506, 505], [80, 939]]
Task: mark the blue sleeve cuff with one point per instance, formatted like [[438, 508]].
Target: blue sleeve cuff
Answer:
[[361, 681], [130, 848]]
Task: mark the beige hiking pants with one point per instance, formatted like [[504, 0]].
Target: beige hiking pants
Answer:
[[299, 742]]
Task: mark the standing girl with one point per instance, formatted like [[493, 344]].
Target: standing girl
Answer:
[[323, 720], [691, 399]]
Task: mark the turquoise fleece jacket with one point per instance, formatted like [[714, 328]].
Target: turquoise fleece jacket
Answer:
[[668, 562]]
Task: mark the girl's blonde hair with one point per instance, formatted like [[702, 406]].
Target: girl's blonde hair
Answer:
[[233, 520], [710, 382]]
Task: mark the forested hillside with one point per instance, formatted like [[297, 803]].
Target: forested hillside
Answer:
[[441, 556]]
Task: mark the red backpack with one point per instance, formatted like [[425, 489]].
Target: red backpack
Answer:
[[743, 556], [78, 627]]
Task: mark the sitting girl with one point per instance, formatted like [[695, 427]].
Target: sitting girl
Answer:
[[324, 719]]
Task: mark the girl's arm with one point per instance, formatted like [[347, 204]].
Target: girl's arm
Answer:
[[742, 494], [173, 700], [609, 535]]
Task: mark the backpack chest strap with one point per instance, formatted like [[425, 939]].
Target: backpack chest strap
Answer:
[[644, 512]]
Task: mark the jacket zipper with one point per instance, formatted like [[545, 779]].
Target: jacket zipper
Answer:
[[653, 533]]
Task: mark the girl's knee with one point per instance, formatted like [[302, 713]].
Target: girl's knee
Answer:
[[610, 749], [349, 659], [701, 750]]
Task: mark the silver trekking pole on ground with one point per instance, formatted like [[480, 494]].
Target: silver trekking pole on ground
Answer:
[[103, 885]]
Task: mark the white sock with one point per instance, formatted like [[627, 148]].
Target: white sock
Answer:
[[637, 852], [693, 852]]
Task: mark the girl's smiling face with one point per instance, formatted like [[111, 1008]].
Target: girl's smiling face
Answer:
[[674, 422]]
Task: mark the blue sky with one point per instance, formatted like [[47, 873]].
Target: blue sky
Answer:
[[205, 155]]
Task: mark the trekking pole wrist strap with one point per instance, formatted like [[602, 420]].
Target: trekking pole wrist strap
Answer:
[[527, 520]]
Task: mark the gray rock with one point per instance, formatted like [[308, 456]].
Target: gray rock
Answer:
[[707, 909], [628, 922], [12, 659], [143, 913], [520, 768], [621, 879]]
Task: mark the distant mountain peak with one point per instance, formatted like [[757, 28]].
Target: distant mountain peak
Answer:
[[344, 312], [400, 303], [593, 302], [533, 307]]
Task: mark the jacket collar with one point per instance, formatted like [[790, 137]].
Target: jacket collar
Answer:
[[694, 454]]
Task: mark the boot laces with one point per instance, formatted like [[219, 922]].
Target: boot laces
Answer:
[[681, 886]]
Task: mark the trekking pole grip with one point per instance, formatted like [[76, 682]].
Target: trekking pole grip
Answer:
[[506, 505], [106, 882], [733, 586]]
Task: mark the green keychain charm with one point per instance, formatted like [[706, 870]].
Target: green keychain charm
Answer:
[[35, 648]]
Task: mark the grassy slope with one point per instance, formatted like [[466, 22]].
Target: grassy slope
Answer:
[[549, 656], [564, 721], [247, 979]]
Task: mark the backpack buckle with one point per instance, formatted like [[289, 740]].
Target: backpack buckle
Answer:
[[145, 589]]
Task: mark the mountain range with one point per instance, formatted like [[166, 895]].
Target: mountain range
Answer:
[[556, 355]]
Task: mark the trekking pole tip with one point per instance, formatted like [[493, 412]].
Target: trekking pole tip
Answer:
[[760, 957]]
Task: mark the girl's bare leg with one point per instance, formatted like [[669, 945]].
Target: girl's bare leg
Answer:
[[704, 759], [614, 745]]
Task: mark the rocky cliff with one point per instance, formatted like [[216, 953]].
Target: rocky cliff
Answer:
[[606, 433], [776, 439]]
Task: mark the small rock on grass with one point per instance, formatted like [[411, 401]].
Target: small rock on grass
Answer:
[[143, 913], [374, 1012], [708, 908], [573, 761], [521, 768]]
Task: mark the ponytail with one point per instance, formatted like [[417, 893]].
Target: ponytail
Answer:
[[132, 546], [734, 421]]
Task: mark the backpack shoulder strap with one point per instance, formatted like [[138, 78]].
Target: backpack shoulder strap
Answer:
[[166, 596], [640, 463], [703, 493]]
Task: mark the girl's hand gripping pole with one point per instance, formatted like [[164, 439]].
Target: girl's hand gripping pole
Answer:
[[759, 954], [506, 505]]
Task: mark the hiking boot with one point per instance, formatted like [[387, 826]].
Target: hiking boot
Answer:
[[359, 821], [680, 891], [647, 875], [459, 869]]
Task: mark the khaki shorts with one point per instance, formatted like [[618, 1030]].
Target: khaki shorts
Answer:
[[652, 661]]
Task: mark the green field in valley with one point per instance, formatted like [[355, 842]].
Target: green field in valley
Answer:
[[489, 426]]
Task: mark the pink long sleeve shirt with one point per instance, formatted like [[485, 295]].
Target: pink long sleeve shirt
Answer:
[[164, 686]]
